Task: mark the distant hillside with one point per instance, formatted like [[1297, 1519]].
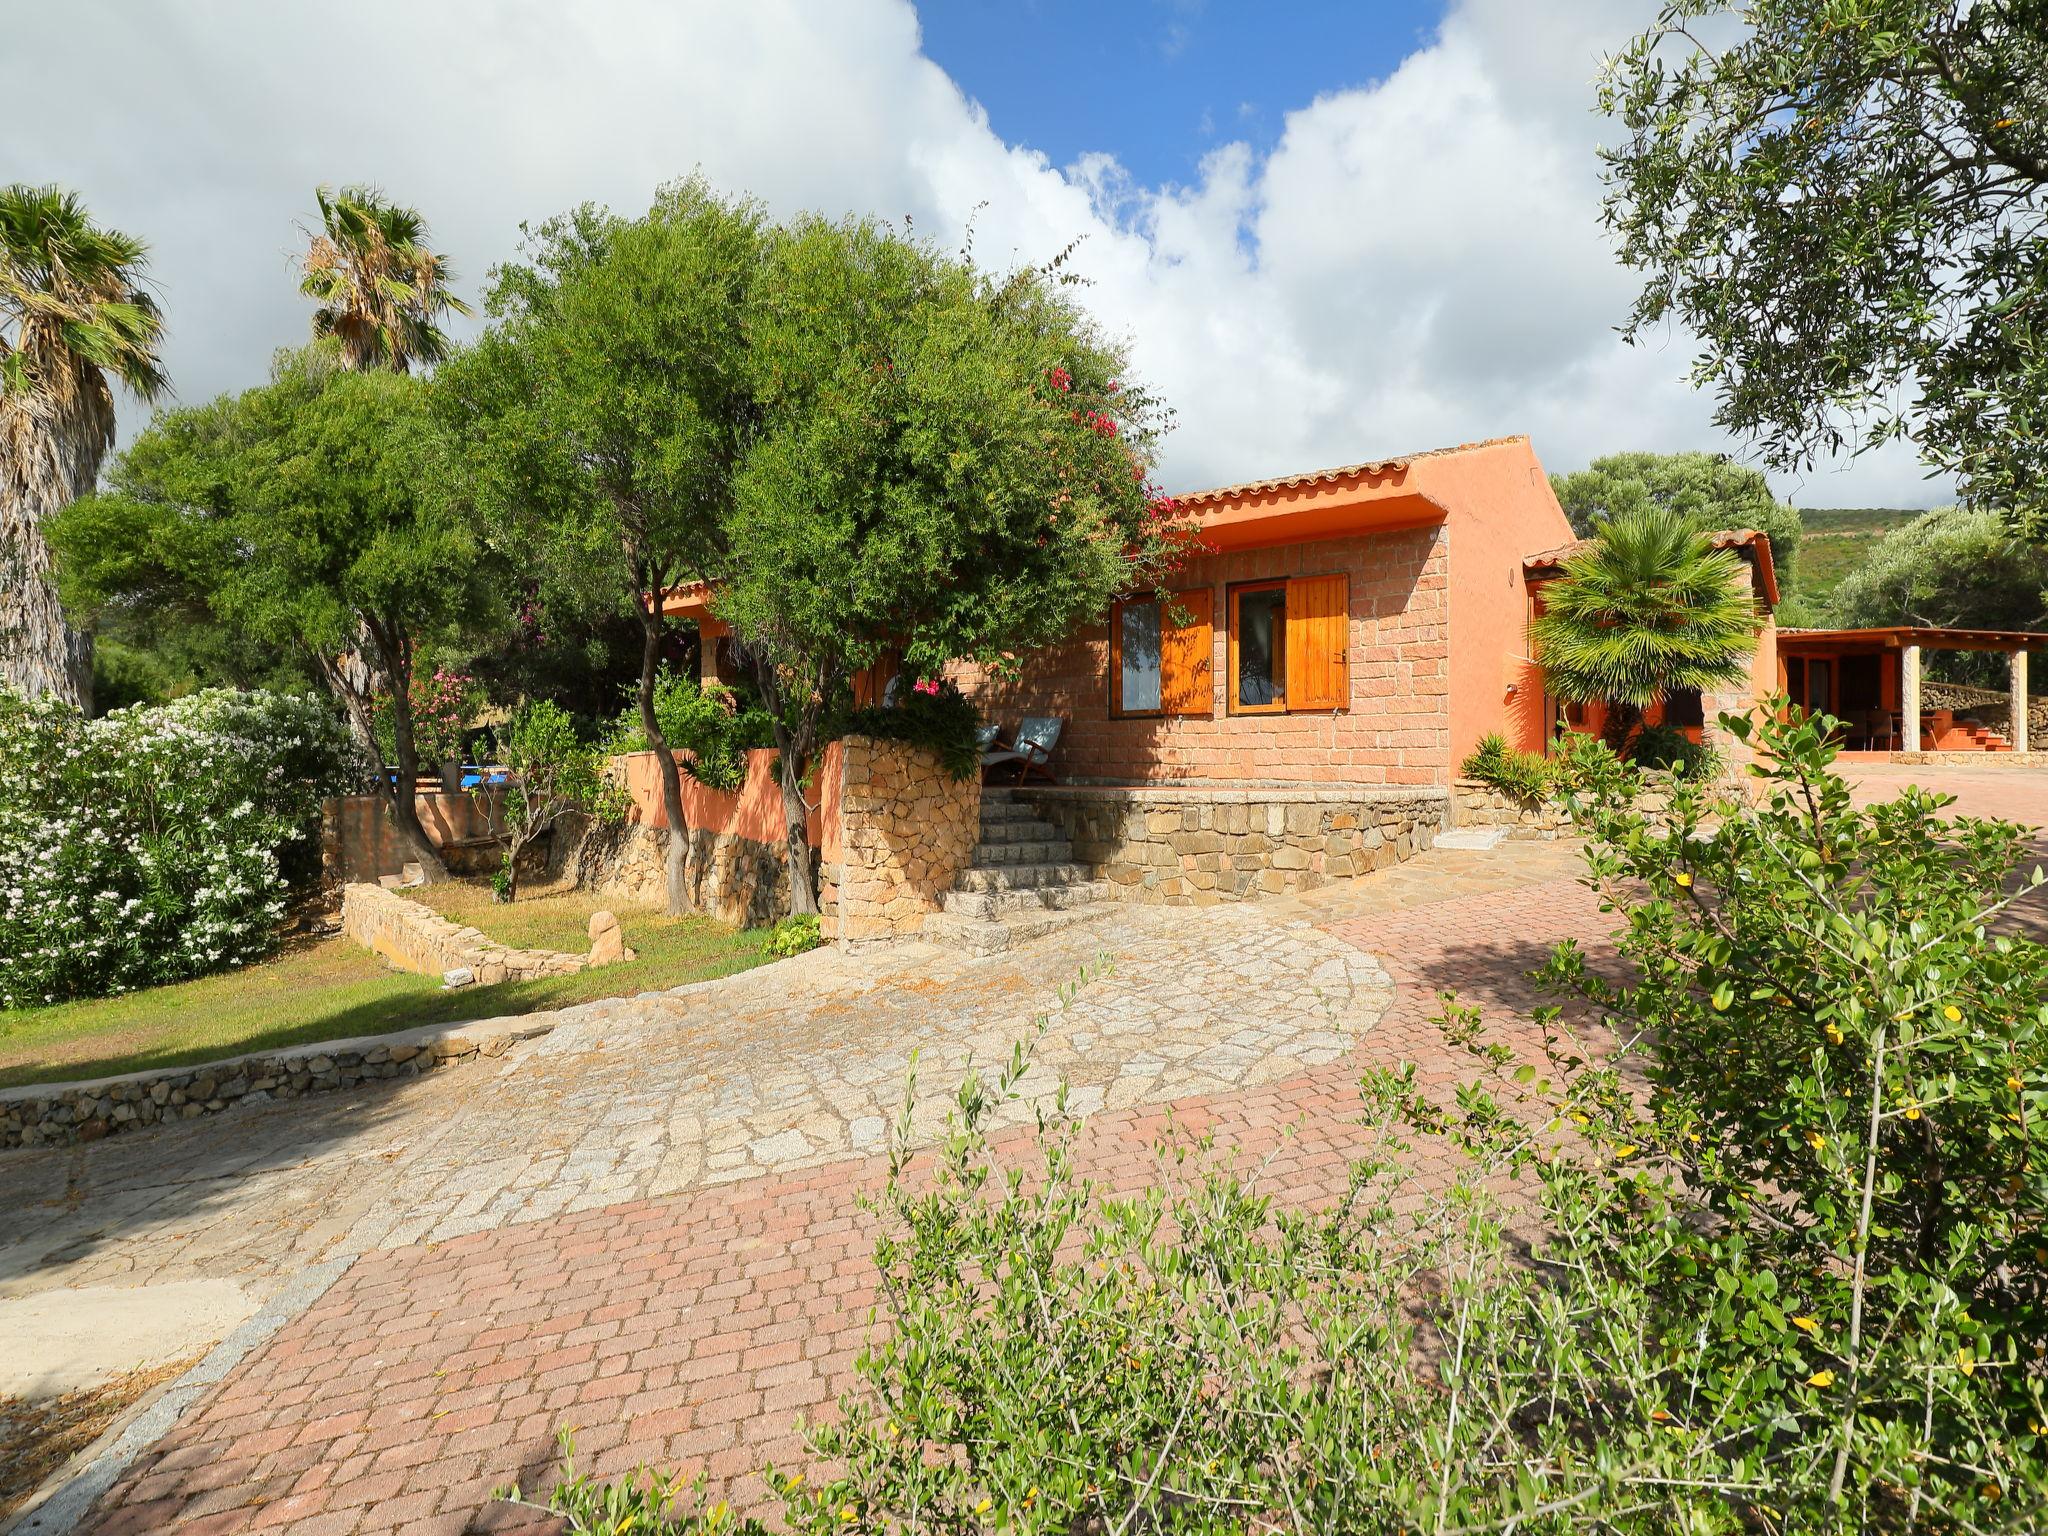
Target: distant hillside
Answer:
[[1837, 540]]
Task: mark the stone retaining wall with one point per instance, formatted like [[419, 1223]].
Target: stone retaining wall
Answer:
[[906, 830], [1474, 804], [43, 1114], [1193, 846], [732, 878], [417, 938]]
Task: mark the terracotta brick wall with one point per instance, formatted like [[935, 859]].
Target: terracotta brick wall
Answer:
[[1396, 730]]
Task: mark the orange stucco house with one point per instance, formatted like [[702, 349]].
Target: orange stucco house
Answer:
[[1363, 625]]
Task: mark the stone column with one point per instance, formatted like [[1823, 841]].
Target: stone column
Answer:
[[1909, 698], [2019, 700]]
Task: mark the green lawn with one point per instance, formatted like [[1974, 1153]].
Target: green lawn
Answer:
[[329, 989]]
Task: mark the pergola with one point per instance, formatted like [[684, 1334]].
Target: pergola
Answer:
[[1843, 670]]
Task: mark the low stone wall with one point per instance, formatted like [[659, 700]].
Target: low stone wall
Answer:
[[46, 1114], [1474, 804], [1195, 845], [417, 938], [905, 831]]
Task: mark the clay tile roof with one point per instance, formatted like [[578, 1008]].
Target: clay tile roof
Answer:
[[1367, 467], [1725, 538]]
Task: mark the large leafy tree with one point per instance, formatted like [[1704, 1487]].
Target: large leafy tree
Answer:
[[1705, 491], [74, 318], [1844, 201], [1951, 569], [381, 289], [308, 515], [1649, 607], [948, 466], [605, 416]]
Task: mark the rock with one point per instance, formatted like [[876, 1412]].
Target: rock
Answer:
[[411, 873], [458, 976], [607, 940]]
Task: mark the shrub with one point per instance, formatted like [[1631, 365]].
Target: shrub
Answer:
[[1667, 748], [932, 714], [154, 844], [708, 722], [551, 774], [793, 935], [1526, 776]]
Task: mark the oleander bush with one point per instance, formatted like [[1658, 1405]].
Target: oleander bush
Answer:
[[155, 843], [1754, 1245]]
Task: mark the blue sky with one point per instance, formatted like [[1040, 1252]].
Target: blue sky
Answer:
[[1160, 83]]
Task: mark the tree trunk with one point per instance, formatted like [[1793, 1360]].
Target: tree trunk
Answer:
[[405, 810], [793, 747], [46, 462], [355, 700], [676, 868]]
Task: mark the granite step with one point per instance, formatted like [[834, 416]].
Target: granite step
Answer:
[[1018, 877], [1021, 829], [993, 935], [1042, 898], [1051, 850]]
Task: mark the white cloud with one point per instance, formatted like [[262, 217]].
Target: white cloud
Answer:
[[1418, 261]]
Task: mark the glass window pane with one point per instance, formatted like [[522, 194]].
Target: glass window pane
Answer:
[[1261, 631], [1139, 646]]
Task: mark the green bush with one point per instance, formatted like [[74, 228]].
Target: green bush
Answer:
[[1669, 749], [793, 935], [709, 723], [1525, 776], [930, 714], [154, 844]]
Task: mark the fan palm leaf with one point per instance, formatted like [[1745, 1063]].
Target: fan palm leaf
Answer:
[[378, 288], [74, 316], [1650, 606]]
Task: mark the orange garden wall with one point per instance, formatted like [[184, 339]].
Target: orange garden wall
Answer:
[[753, 811], [1397, 729]]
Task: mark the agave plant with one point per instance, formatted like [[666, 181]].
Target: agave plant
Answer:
[[1648, 607], [379, 287], [73, 316]]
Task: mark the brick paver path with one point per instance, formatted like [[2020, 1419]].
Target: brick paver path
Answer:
[[691, 1330]]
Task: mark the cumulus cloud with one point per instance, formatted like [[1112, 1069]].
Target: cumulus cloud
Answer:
[[1417, 261]]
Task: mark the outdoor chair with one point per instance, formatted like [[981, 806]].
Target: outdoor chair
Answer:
[[1031, 749]]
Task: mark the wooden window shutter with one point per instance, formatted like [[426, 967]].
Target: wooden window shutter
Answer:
[[1318, 642], [1185, 652]]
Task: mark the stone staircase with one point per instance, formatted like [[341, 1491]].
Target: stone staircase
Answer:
[[1023, 882]]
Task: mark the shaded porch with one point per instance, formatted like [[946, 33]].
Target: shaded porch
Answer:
[[1871, 680]]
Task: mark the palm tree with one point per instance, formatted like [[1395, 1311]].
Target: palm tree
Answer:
[[379, 288], [1649, 606], [73, 312]]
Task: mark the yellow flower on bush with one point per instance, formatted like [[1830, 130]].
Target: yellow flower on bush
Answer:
[[1805, 1324], [1626, 1149], [1815, 1140], [846, 1515], [984, 1506], [1952, 1013], [1821, 1379], [2014, 1084], [1967, 1361], [1912, 1111], [1683, 879], [1834, 1033]]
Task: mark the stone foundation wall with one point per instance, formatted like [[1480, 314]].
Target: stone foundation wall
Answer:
[[732, 878], [55, 1114], [1196, 846], [1474, 804], [906, 830], [417, 938]]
